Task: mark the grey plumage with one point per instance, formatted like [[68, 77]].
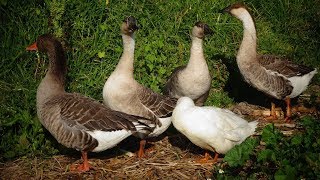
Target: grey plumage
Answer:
[[123, 93], [70, 116], [267, 82], [283, 66], [276, 76], [134, 98], [192, 80], [172, 84], [158, 106]]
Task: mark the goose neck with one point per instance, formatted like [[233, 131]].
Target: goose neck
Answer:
[[125, 65], [196, 54], [57, 66], [248, 47], [54, 81]]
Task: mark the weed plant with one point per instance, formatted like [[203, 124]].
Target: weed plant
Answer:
[[296, 157], [90, 32]]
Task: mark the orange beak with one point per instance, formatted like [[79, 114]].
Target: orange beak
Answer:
[[32, 47]]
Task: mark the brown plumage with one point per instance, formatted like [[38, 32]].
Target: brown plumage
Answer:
[[283, 66], [122, 92], [192, 80], [74, 120], [277, 77]]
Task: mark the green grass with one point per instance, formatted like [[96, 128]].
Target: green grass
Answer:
[[90, 32]]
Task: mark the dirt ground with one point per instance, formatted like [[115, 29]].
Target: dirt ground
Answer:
[[171, 156]]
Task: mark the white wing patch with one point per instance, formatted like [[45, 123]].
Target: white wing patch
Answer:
[[107, 140], [159, 130], [300, 83]]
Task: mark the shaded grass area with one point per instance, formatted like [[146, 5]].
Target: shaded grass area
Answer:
[[90, 32]]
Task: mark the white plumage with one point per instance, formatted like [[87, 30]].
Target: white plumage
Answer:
[[300, 83], [108, 139], [165, 123], [211, 128]]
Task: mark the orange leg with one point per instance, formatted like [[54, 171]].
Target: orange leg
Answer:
[[206, 158], [288, 114], [273, 115], [216, 155], [141, 148], [84, 166]]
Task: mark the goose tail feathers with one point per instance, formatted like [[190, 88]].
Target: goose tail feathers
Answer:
[[253, 126], [143, 128]]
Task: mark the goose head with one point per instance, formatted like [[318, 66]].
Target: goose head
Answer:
[[184, 103], [200, 30], [237, 10], [45, 43], [129, 25], [50, 45]]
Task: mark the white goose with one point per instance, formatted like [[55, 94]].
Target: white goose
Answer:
[[275, 76], [210, 128], [74, 120], [123, 93], [193, 80]]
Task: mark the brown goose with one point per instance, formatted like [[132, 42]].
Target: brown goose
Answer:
[[275, 76], [122, 92], [193, 80], [74, 120]]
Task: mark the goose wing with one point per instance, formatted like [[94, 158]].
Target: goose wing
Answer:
[[172, 81], [154, 106], [71, 117], [86, 114], [209, 125], [220, 121], [283, 66], [162, 106]]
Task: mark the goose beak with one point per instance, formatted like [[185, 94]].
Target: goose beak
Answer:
[[207, 30], [132, 23], [134, 27], [226, 10], [32, 47]]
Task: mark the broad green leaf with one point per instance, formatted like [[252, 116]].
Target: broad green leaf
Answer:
[[270, 135], [147, 48], [297, 140], [280, 175], [240, 153], [150, 66], [103, 27], [265, 155], [291, 172], [287, 173], [101, 54], [162, 70], [150, 59]]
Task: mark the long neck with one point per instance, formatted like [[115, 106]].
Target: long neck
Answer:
[[54, 81], [197, 60], [248, 48], [125, 65], [57, 65]]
